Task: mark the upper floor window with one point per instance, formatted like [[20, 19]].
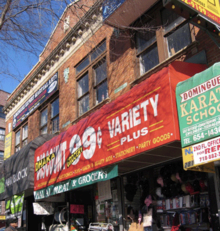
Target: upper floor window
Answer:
[[55, 115], [49, 118], [25, 135], [2, 134], [147, 48], [17, 141], [43, 121], [92, 85], [2, 114], [177, 35], [21, 137]]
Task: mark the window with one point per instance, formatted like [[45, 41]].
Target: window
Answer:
[[55, 116], [2, 134], [25, 135], [100, 79], [2, 115], [17, 141], [43, 121], [83, 94], [147, 48], [21, 137], [92, 84], [177, 36], [49, 118]]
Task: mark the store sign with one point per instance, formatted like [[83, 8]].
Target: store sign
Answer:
[[36, 100], [2, 217], [198, 104], [14, 206], [200, 157], [7, 151], [135, 122], [77, 209], [2, 185], [208, 8], [109, 6], [88, 179]]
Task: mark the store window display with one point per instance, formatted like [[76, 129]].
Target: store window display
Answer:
[[167, 198]]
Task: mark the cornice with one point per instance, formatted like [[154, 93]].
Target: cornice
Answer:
[[75, 34]]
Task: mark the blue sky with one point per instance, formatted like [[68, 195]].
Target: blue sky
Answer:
[[19, 63]]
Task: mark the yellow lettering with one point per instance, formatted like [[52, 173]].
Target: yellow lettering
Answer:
[[193, 106], [183, 110], [202, 103], [212, 97]]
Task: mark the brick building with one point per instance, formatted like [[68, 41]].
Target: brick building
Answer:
[[94, 64]]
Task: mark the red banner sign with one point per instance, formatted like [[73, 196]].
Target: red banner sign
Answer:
[[143, 118]]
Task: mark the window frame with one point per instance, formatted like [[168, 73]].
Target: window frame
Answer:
[[89, 69], [49, 124], [3, 135], [22, 142], [160, 40]]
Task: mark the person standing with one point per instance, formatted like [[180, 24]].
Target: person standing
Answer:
[[13, 224]]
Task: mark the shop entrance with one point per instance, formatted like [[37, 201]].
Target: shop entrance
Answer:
[[81, 202]]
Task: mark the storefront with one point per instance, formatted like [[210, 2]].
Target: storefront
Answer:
[[199, 118], [138, 134], [19, 184]]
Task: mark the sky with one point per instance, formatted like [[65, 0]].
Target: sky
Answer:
[[23, 63], [20, 63]]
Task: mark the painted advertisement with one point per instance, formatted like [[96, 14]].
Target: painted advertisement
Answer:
[[201, 156], [198, 103], [14, 206], [143, 118], [209, 8], [7, 152], [36, 100]]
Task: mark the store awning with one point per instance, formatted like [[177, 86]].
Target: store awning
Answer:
[[19, 168], [141, 120]]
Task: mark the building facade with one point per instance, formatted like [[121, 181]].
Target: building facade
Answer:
[[96, 119], [3, 97]]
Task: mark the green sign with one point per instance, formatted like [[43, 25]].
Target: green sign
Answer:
[[84, 180], [198, 104], [14, 206], [2, 185]]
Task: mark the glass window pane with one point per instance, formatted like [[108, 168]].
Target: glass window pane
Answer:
[[2, 134], [170, 19], [145, 39], [100, 72], [44, 116], [55, 125], [101, 92], [55, 108], [25, 132], [43, 130], [1, 154], [82, 65], [83, 85], [17, 138], [24, 143], [179, 39], [2, 115], [17, 148], [98, 51], [148, 60], [84, 104]]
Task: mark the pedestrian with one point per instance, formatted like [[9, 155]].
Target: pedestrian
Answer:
[[13, 224]]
